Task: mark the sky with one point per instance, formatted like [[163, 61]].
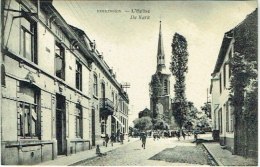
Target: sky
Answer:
[[129, 46]]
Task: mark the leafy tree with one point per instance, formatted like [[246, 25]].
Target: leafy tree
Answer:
[[160, 123], [243, 95], [143, 123], [207, 109], [192, 116], [179, 68], [244, 84], [156, 89]]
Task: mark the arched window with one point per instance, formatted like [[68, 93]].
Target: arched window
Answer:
[[3, 75]]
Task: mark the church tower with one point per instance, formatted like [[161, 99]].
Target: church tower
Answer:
[[160, 52], [164, 100]]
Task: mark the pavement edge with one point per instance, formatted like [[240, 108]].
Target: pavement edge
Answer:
[[212, 155]]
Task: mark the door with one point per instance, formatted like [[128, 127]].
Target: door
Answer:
[[93, 127], [61, 124]]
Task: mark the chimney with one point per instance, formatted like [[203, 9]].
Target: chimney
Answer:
[[111, 70], [101, 56], [114, 75]]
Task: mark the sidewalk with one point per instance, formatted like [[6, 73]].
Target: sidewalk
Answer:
[[225, 158], [83, 155]]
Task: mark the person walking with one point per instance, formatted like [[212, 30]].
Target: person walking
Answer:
[[143, 139], [154, 136], [183, 134], [106, 139], [178, 135], [112, 139], [121, 138], [117, 135]]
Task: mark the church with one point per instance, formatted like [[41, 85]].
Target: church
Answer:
[[164, 99]]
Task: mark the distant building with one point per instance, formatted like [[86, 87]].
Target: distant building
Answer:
[[164, 100], [145, 113], [223, 115]]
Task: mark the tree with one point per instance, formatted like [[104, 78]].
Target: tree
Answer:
[[160, 123], [156, 89], [192, 116], [179, 68], [243, 97], [207, 109], [143, 123]]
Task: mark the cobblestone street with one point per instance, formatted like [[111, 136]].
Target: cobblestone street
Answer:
[[134, 155]]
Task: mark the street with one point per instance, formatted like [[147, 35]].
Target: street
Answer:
[[162, 152]]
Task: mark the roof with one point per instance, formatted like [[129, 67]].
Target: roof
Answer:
[[222, 52], [160, 43], [228, 36]]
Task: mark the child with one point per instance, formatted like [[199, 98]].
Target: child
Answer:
[[98, 152]]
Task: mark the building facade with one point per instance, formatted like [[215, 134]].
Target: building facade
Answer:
[[48, 102], [164, 100], [238, 132]]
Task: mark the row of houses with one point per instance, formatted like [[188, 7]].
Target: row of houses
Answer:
[[237, 130], [58, 95]]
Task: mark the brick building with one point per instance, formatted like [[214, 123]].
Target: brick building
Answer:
[[164, 100], [58, 96]]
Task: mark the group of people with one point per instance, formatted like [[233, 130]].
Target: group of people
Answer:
[[119, 137]]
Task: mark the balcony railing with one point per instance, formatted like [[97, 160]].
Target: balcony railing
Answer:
[[106, 106]]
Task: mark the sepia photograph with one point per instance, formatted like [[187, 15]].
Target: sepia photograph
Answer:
[[129, 83]]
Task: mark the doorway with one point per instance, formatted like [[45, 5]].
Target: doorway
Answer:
[[61, 124], [93, 127]]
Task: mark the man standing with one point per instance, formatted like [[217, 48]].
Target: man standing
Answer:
[[118, 135], [143, 138]]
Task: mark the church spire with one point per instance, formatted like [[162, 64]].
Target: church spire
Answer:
[[160, 52]]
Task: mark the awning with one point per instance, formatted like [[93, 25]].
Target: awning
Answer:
[[118, 121]]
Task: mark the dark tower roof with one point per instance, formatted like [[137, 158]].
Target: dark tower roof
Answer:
[[160, 53], [160, 42]]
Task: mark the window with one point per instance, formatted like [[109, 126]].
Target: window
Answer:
[[78, 75], [103, 94], [224, 75], [116, 103], [28, 113], [220, 120], [230, 57], [29, 38], [59, 61], [165, 87], [227, 117], [95, 85], [231, 121], [103, 127], [3, 75], [79, 124], [220, 86], [113, 97]]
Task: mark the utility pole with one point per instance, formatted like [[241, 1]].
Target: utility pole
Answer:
[[207, 96]]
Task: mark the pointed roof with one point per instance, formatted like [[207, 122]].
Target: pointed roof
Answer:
[[160, 42]]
